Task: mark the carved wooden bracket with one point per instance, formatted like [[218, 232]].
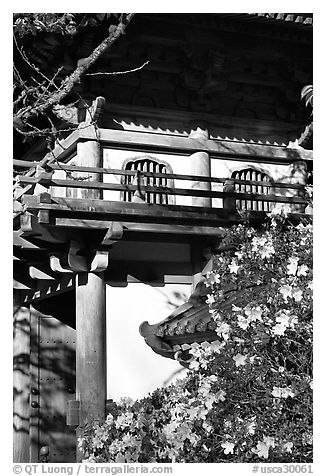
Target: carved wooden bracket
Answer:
[[78, 260], [74, 114], [113, 234]]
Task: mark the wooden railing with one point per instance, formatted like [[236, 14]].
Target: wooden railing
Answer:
[[48, 180]]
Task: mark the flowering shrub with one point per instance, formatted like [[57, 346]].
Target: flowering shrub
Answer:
[[247, 397]]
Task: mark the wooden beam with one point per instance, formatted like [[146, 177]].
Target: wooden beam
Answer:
[[145, 213], [123, 172], [183, 145], [137, 227], [92, 186]]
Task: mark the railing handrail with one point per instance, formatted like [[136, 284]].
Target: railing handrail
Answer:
[[161, 190], [123, 172]]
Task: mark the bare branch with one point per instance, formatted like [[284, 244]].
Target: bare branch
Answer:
[[115, 73], [70, 81]]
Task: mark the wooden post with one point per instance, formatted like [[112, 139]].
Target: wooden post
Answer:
[[21, 381], [89, 155], [298, 175], [91, 347], [90, 320], [200, 165]]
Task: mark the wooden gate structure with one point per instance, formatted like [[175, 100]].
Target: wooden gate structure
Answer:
[[83, 218]]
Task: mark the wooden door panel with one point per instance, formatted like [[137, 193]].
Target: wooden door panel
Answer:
[[54, 377]]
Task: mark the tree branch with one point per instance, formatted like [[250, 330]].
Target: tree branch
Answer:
[[70, 81], [114, 73]]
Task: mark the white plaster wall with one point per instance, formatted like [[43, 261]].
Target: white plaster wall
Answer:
[[133, 368], [224, 168], [115, 159]]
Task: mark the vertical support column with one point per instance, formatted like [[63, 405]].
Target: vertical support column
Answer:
[[298, 175], [21, 381], [90, 318], [200, 165], [89, 155], [90, 349]]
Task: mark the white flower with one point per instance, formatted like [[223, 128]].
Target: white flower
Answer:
[[228, 447], [302, 270], [286, 291], [233, 267], [240, 359], [291, 319], [297, 295], [212, 278], [279, 329], [292, 267], [288, 446], [269, 441], [242, 322], [282, 392], [262, 448], [210, 299], [194, 365], [223, 329], [220, 396], [280, 209], [254, 313]]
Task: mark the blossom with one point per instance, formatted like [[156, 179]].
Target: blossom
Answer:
[[263, 247], [223, 329], [280, 209], [210, 299], [282, 392], [212, 278], [233, 267], [253, 313], [279, 329], [124, 420], [292, 266], [240, 360], [194, 365], [286, 319], [297, 295], [286, 291], [220, 396], [228, 447], [262, 448], [302, 270], [288, 446], [242, 322]]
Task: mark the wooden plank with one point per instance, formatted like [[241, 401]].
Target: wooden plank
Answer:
[[184, 145], [140, 227], [202, 178], [137, 227], [174, 191], [125, 211]]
